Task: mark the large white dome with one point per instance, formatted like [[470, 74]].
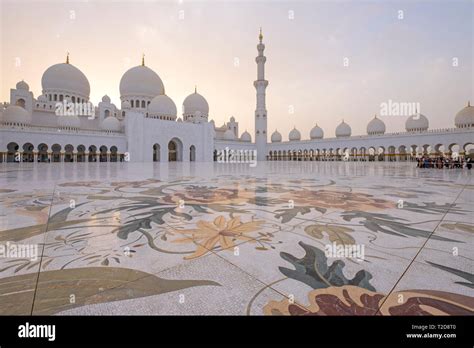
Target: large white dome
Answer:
[[376, 126], [69, 122], [465, 117], [162, 105], [294, 135], [196, 103], [17, 115], [343, 130], [246, 137], [416, 123], [276, 137], [141, 81], [65, 77], [111, 124], [316, 133]]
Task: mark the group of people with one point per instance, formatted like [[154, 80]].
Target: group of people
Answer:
[[444, 162]]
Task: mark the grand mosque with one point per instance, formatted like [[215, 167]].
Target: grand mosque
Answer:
[[146, 126]]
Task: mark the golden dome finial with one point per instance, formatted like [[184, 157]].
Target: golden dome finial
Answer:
[[195, 88], [260, 36], [468, 103], [67, 58], [143, 59]]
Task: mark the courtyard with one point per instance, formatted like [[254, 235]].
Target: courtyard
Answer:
[[231, 239]]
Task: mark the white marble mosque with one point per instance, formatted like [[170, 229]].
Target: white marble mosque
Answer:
[[154, 234], [146, 127]]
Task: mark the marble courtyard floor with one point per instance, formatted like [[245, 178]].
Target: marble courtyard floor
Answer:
[[221, 239]]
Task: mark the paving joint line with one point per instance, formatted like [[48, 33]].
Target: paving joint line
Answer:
[[421, 248]]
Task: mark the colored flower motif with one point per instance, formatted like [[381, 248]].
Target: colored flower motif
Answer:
[[209, 195], [208, 235], [338, 200], [354, 300]]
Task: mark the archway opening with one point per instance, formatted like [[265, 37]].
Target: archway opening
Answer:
[[81, 156], [175, 150], [68, 153], [103, 153], [192, 153], [43, 153], [56, 153], [12, 152], [92, 153], [113, 153], [28, 155]]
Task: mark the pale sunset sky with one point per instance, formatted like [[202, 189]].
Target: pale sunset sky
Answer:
[[190, 43]]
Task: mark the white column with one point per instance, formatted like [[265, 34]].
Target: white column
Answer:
[[261, 112]]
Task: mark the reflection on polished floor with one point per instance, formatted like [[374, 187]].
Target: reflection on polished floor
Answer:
[[229, 239]]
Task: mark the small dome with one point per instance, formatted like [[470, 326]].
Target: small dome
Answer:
[[465, 117], [343, 130], [111, 124], [229, 135], [246, 137], [162, 105], [195, 103], [126, 105], [22, 85], [276, 137], [69, 122], [416, 123], [65, 77], [42, 98], [232, 119], [376, 126], [141, 81], [316, 133], [106, 99], [294, 135], [16, 114], [180, 119]]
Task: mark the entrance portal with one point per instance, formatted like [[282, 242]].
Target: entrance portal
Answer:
[[172, 156]]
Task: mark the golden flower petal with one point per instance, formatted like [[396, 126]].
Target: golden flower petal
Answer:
[[220, 222], [233, 223]]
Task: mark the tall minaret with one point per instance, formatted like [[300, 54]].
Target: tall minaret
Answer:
[[261, 111]]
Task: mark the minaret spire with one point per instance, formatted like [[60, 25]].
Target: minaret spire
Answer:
[[67, 58], [261, 110]]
